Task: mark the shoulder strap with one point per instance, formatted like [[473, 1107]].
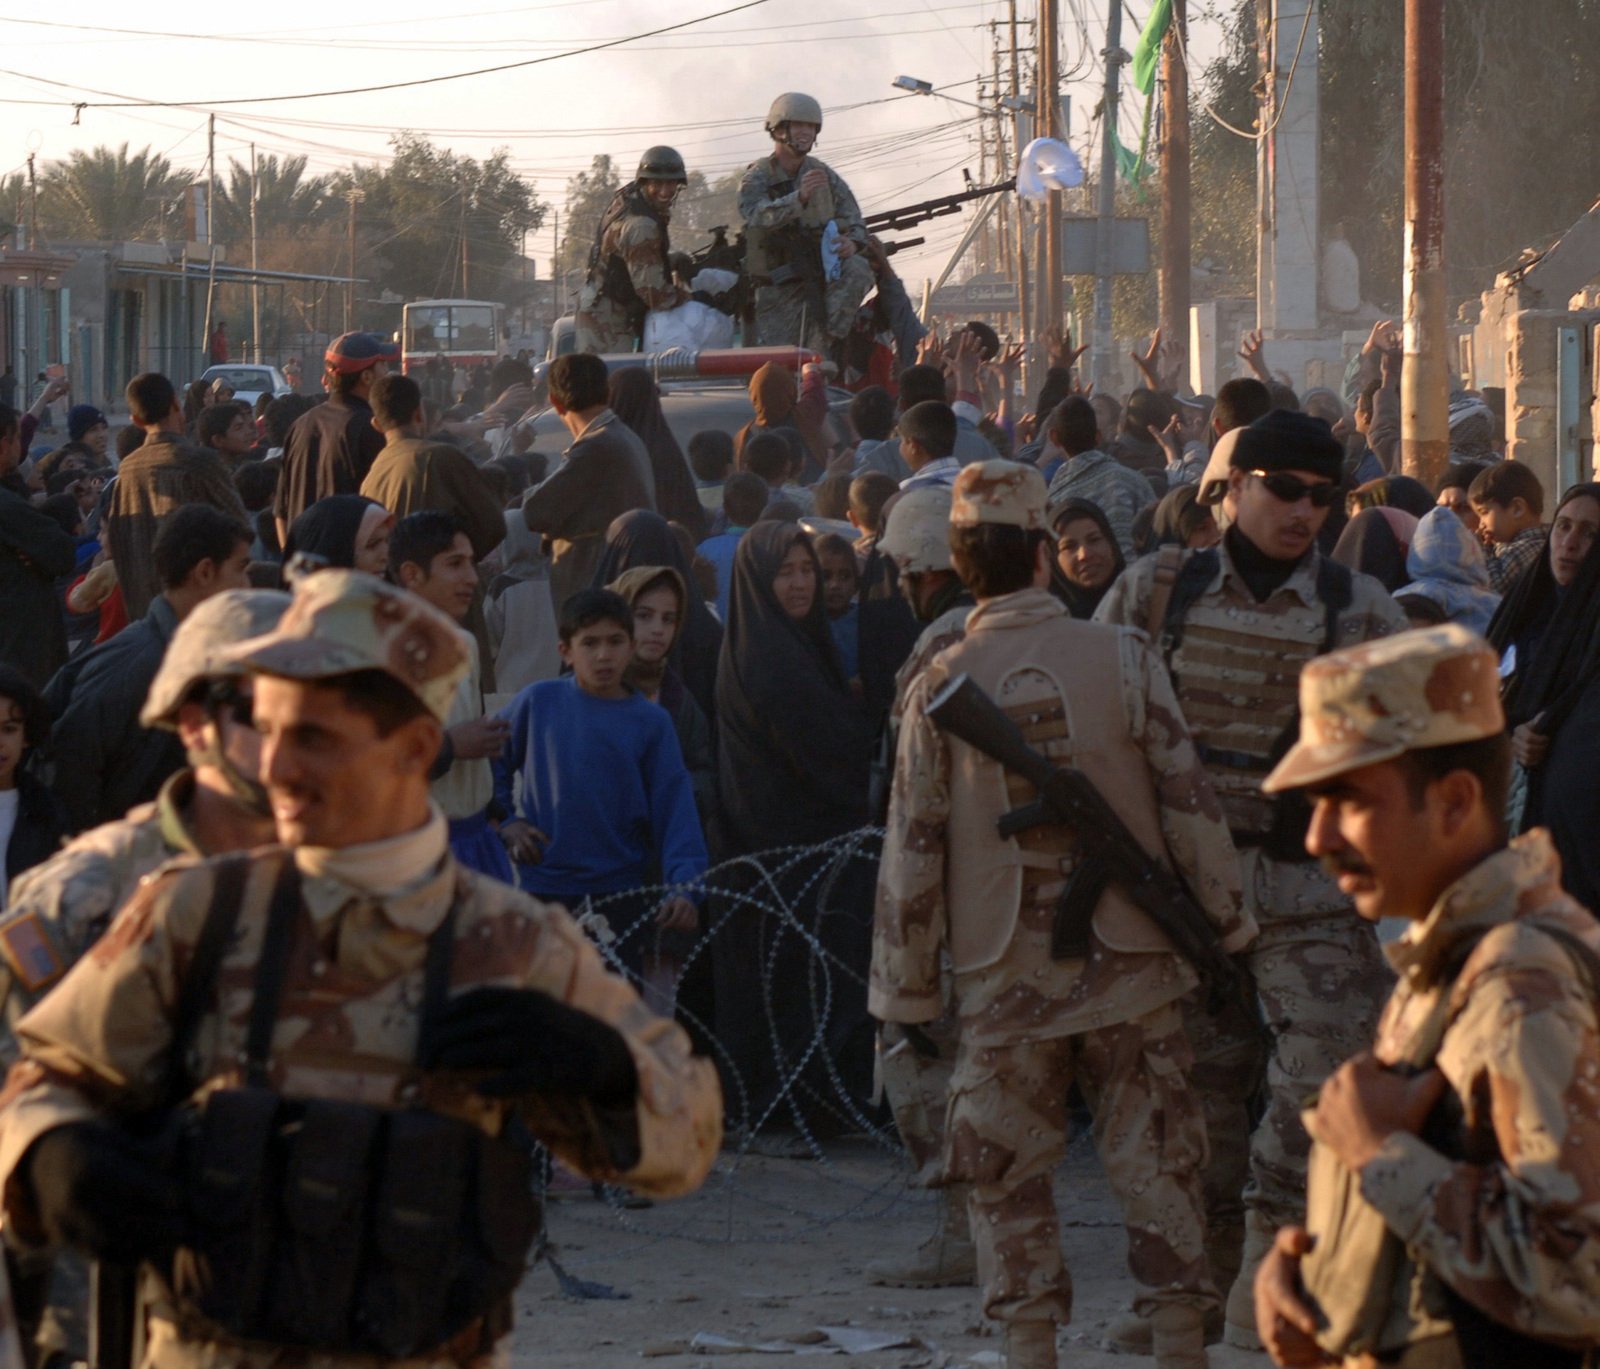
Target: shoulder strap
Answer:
[[1336, 588], [1582, 955], [1168, 561], [272, 970], [436, 980], [200, 979]]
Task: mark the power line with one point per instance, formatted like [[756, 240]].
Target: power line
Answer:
[[116, 100]]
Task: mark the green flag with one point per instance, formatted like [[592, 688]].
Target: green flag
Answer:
[[1133, 167], [1147, 52]]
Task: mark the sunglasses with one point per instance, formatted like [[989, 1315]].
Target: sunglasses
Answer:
[[1291, 489]]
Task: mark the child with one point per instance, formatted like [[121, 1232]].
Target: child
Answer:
[[32, 823], [840, 579], [868, 494], [711, 459], [777, 461], [743, 499], [1509, 502], [872, 415], [431, 555], [597, 781]]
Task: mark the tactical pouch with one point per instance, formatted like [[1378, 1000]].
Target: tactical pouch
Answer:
[[223, 1270], [322, 1214], [416, 1225]]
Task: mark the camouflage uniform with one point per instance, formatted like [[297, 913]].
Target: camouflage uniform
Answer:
[[1029, 1025], [1498, 1197], [62, 907], [769, 198], [638, 241], [1316, 965], [348, 1022]]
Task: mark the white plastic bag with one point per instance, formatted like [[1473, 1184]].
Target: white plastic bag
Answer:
[[691, 325], [714, 282]]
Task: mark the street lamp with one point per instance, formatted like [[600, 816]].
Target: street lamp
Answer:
[[1011, 103]]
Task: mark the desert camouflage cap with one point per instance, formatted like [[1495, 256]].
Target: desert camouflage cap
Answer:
[[1006, 493], [202, 647], [342, 621], [1376, 701], [916, 535]]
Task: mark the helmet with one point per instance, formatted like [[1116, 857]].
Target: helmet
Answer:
[[917, 536], [792, 107], [661, 164], [201, 643]]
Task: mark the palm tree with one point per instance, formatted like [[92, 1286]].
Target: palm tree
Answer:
[[289, 204], [106, 195]]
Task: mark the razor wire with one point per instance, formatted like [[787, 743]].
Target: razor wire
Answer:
[[793, 889]]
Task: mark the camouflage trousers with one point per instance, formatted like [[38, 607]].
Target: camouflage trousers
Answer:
[[1322, 981], [915, 1069], [1007, 1134], [602, 327], [783, 310]]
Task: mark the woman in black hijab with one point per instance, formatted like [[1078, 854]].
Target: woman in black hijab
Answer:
[[793, 752], [1088, 558], [637, 402], [642, 538], [1375, 542], [1548, 632], [345, 531]]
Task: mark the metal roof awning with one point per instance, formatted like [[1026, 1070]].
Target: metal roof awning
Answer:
[[236, 274]]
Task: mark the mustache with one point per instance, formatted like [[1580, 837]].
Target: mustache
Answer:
[[1343, 863]]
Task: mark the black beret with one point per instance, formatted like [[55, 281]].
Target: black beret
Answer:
[[1284, 440]]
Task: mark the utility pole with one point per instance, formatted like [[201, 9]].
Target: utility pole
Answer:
[[1004, 164], [1103, 256], [1049, 126], [353, 197], [33, 208], [466, 256], [1173, 282], [1424, 379], [255, 267], [1024, 313], [211, 236]]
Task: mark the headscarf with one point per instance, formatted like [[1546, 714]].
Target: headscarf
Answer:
[[1447, 567], [772, 395], [642, 538], [1081, 601], [1568, 651], [328, 528], [1375, 542], [1396, 491], [793, 744], [1473, 428], [633, 585], [637, 402], [1178, 516]]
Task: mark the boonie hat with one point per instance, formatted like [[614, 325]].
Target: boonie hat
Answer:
[[1370, 703], [1005, 493], [205, 647], [1214, 479], [352, 352], [342, 621]]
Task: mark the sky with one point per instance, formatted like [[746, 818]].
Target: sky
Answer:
[[704, 88]]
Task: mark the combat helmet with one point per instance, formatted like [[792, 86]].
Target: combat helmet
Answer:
[[202, 648], [662, 163], [793, 107], [916, 536]]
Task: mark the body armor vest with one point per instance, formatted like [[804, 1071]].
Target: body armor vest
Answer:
[[610, 272]]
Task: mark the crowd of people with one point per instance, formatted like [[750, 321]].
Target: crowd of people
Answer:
[[680, 659]]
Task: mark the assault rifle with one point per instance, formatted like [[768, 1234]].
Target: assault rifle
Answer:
[[1108, 853]]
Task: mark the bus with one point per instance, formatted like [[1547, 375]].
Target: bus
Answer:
[[463, 331]]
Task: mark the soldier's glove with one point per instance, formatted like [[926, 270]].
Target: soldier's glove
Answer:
[[99, 1190], [533, 1044]]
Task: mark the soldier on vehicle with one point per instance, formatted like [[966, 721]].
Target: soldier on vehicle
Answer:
[[1453, 1208], [805, 241], [358, 1036], [630, 269], [1030, 1021]]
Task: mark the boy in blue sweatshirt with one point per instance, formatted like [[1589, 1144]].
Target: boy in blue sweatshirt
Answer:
[[593, 772]]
